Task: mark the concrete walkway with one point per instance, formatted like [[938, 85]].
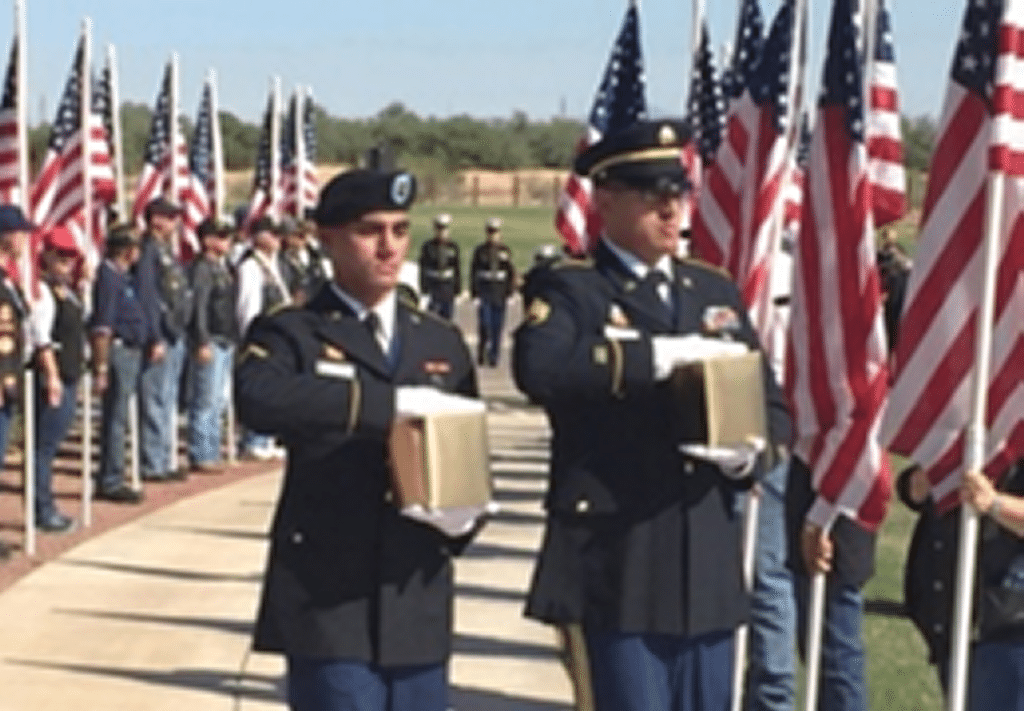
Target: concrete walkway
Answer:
[[157, 614]]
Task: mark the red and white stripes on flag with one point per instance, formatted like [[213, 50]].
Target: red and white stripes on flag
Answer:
[[266, 194], [885, 138], [982, 130], [198, 194], [738, 222], [77, 148], [159, 171], [10, 153], [299, 182], [619, 103], [837, 367]]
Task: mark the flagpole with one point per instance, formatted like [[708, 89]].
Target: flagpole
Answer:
[[967, 556], [85, 126], [115, 130], [216, 140], [176, 189], [275, 149], [300, 148], [25, 264]]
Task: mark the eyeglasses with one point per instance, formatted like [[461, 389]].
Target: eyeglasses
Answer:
[[651, 197]]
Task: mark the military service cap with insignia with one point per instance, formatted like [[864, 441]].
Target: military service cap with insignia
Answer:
[[647, 155]]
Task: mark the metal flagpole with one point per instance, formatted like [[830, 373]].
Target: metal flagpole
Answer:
[[25, 265], [176, 188], [816, 603], [300, 149], [85, 124], [217, 141], [115, 138], [974, 460], [274, 188]]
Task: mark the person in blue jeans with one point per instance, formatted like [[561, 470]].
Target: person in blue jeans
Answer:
[[166, 295], [58, 333], [771, 669], [118, 333], [845, 554], [213, 332]]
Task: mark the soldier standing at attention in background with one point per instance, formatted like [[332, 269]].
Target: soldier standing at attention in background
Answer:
[[440, 275], [640, 561], [493, 279], [357, 595]]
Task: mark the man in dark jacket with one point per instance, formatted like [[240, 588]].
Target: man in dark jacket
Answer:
[[166, 295], [641, 554], [357, 595]]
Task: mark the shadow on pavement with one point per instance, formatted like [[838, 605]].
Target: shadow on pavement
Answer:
[[495, 647], [462, 699], [240, 627], [190, 575], [254, 687]]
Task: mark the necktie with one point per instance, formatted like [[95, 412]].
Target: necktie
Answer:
[[658, 283], [371, 322]]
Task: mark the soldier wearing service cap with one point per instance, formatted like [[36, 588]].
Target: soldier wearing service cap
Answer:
[[492, 279], [640, 564], [440, 269], [357, 595]]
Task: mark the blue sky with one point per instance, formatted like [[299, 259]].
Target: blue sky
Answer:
[[439, 57]]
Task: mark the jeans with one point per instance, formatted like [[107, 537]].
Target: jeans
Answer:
[[771, 660], [52, 425], [8, 411], [648, 672], [122, 382], [336, 685], [843, 685], [207, 402], [491, 319], [158, 407], [997, 676]]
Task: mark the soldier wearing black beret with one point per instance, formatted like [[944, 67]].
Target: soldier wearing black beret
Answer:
[[357, 595], [640, 563]]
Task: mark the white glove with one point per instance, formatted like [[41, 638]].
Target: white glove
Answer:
[[735, 462], [409, 397], [452, 522], [670, 351]]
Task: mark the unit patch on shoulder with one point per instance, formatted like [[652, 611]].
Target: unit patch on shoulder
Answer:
[[538, 312]]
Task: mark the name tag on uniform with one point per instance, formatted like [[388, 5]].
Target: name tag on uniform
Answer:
[[334, 369], [621, 333]]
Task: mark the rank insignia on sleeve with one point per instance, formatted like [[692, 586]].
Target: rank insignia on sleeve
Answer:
[[617, 317], [254, 351], [721, 319], [538, 312], [437, 367]]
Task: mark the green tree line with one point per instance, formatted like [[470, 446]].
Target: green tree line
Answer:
[[443, 144]]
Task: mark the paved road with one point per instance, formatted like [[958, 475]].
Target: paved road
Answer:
[[157, 614]]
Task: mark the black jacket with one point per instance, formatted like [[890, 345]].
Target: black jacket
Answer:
[[348, 577], [440, 273], [492, 275], [639, 537]]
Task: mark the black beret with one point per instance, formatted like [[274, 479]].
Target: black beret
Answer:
[[350, 195], [647, 154]]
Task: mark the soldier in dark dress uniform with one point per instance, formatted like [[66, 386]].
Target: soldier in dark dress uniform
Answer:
[[493, 280], [440, 275], [357, 595], [640, 560]]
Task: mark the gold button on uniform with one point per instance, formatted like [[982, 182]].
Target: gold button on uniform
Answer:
[[582, 506]]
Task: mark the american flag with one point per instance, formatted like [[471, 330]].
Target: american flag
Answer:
[[885, 139], [58, 195], [9, 151], [265, 198], [980, 132], [299, 184], [837, 367], [156, 178], [749, 41], [738, 223], [619, 103], [706, 113], [198, 195]]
